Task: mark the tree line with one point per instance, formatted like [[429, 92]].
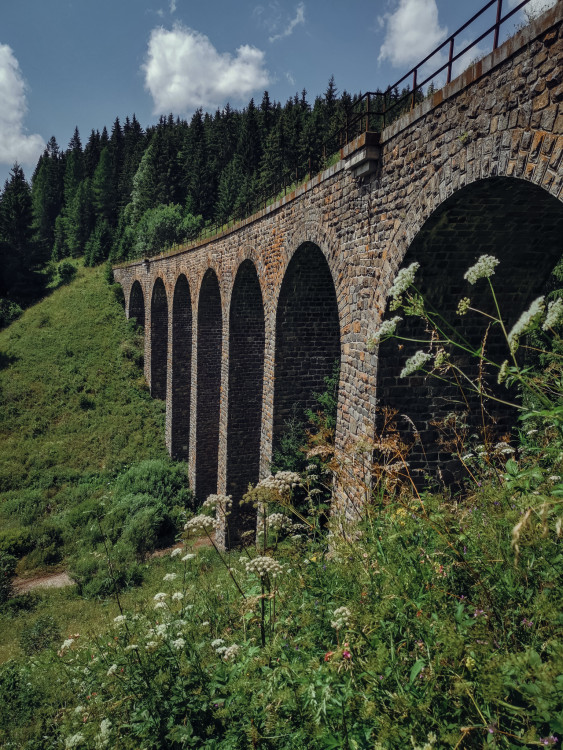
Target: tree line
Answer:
[[132, 192]]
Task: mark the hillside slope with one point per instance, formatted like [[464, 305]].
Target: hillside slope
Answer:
[[75, 407]]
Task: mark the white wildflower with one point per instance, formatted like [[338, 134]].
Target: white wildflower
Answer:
[[151, 645], [387, 328], [161, 629], [264, 566], [554, 314], [525, 322], [503, 372], [311, 468], [170, 577], [178, 644], [403, 280], [131, 647], [79, 710], [67, 644], [282, 482], [176, 552], [112, 670], [190, 556], [463, 306], [416, 362], [555, 478], [341, 618], [160, 596], [201, 524], [231, 652], [177, 596], [483, 269], [119, 619], [278, 521], [160, 605], [217, 642], [74, 740], [220, 650], [221, 504], [102, 738], [205, 624]]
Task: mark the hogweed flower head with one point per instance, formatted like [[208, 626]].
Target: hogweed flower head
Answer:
[[170, 577], [112, 670], [416, 362], [230, 653], [178, 644], [119, 619], [220, 504], [463, 306], [264, 565], [201, 524], [282, 482], [403, 280], [554, 314], [387, 328], [483, 269], [177, 596], [342, 617], [525, 322], [160, 597], [278, 521], [176, 552], [189, 556]]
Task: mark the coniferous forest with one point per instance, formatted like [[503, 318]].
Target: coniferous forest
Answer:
[[133, 192]]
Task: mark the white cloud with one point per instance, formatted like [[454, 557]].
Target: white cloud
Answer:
[[534, 7], [172, 6], [412, 31], [288, 31], [15, 144], [184, 71]]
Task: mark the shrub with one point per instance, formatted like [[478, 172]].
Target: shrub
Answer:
[[9, 311], [7, 570], [39, 634], [160, 479], [66, 271]]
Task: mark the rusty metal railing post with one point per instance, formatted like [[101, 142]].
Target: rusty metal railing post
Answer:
[[413, 88], [497, 24], [450, 60]]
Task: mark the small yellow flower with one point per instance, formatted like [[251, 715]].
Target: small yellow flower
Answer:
[[470, 663]]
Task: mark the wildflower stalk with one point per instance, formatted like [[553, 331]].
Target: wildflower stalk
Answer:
[[226, 564]]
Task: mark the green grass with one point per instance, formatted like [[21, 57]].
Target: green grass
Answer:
[[75, 407]]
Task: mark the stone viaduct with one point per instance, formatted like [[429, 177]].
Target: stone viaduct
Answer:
[[240, 327]]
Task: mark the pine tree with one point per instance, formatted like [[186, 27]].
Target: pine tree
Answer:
[[47, 197]]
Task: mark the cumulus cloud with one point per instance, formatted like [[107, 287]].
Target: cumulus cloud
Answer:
[[411, 32], [172, 6], [288, 30], [184, 71], [534, 7], [15, 144]]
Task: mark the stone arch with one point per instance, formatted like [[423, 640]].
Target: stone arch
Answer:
[[246, 379], [181, 369], [137, 304], [209, 342], [159, 339], [307, 341], [514, 220]]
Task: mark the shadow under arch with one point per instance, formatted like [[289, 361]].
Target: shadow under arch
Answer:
[[181, 369], [307, 336], [246, 377], [159, 339], [513, 220], [209, 339], [137, 304]]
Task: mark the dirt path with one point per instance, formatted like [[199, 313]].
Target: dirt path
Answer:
[[44, 581]]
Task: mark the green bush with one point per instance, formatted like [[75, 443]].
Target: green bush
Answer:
[[66, 271], [99, 576], [160, 479], [9, 311]]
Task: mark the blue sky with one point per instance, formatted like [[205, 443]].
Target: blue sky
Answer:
[[67, 63]]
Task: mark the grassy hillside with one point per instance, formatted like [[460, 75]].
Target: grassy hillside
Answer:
[[75, 408]]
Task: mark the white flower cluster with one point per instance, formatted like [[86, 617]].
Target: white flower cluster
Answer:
[[483, 269], [170, 576], [404, 279], [120, 619], [529, 317], [67, 644], [112, 670], [414, 363], [230, 653], [74, 740], [282, 482], [278, 521], [160, 597], [342, 617], [177, 596], [386, 329], [221, 504], [201, 524], [554, 314], [264, 566], [178, 644], [189, 556], [176, 552], [216, 643]]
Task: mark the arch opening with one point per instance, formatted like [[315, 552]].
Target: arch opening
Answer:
[[137, 304], [246, 375], [181, 369], [307, 337], [520, 224], [159, 339], [209, 339]]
